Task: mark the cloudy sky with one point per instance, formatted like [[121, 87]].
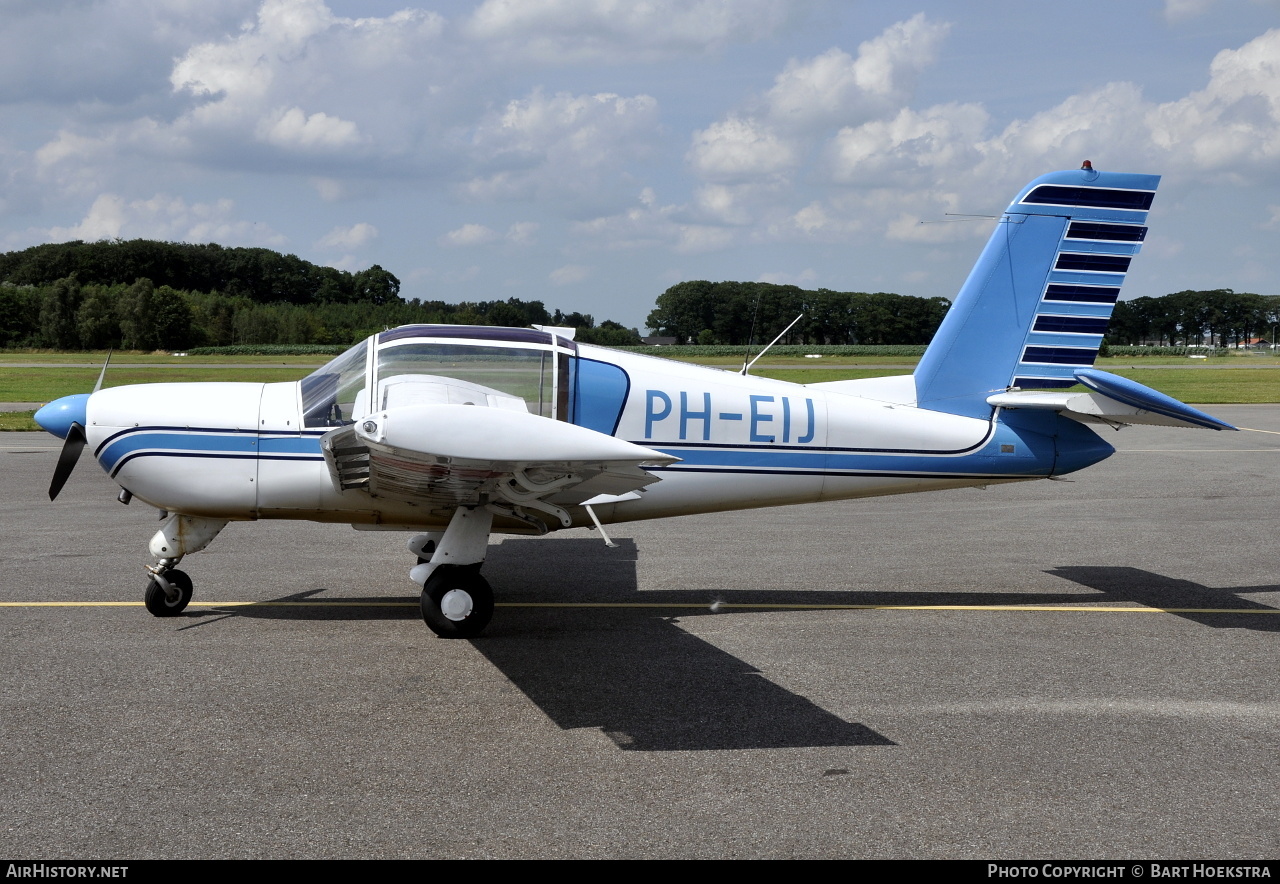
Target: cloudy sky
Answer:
[[590, 153]]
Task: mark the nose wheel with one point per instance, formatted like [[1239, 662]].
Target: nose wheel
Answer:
[[170, 600], [457, 602]]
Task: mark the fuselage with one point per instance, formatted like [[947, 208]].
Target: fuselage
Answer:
[[459, 432], [252, 451]]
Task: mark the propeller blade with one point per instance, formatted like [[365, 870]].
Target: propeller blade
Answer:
[[67, 459]]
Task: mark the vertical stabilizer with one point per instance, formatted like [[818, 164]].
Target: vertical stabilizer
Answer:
[[1038, 301]]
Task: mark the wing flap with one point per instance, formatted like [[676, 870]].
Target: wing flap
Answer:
[[443, 456]]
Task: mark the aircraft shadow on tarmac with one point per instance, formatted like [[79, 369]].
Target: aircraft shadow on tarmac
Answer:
[[644, 682], [1137, 587], [652, 686]]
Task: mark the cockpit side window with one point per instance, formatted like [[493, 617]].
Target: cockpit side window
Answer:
[[434, 365], [329, 394], [497, 376]]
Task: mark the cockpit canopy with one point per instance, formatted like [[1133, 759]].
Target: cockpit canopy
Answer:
[[523, 369]]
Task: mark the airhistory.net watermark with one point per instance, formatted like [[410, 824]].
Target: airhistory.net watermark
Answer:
[[46, 870]]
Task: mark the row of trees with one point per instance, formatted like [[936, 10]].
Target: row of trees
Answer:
[[66, 315], [144, 295], [734, 312], [1220, 317], [260, 275], [741, 312]]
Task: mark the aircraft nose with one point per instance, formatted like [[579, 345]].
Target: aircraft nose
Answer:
[[58, 416]]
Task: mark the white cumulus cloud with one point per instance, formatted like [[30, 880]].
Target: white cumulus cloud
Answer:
[[352, 237], [940, 138], [569, 274], [586, 126], [561, 143], [777, 131], [739, 149], [300, 78], [1180, 10], [650, 224], [1236, 117], [469, 235], [835, 88], [573, 31], [166, 217], [293, 128], [522, 233], [805, 277], [906, 165]]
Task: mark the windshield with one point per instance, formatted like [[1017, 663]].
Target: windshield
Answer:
[[329, 394]]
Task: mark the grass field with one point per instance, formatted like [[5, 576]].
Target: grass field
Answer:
[[17, 420], [1208, 387], [11, 357], [45, 384], [822, 375], [1220, 381]]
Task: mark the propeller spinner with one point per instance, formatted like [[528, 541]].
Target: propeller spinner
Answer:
[[65, 418]]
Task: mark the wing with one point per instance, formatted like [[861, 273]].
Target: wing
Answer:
[[445, 456]]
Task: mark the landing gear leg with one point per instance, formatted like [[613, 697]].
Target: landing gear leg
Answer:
[[168, 591], [456, 601], [424, 545]]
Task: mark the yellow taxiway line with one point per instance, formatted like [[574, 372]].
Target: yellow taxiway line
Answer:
[[712, 606]]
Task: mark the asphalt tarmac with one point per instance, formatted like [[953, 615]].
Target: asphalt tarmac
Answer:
[[646, 702]]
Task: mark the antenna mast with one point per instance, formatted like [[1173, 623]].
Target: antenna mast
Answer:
[[746, 366]]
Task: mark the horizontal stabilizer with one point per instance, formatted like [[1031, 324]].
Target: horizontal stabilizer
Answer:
[[1114, 400]]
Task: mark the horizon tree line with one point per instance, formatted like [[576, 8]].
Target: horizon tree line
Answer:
[[70, 296], [66, 315]]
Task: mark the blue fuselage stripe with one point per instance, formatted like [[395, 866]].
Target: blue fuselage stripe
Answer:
[[168, 442], [972, 462]]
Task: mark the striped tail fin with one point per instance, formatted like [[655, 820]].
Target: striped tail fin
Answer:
[[1037, 303]]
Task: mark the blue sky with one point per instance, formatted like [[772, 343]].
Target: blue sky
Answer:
[[591, 153]]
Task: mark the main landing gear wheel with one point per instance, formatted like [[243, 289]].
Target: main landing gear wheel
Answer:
[[159, 603], [457, 602]]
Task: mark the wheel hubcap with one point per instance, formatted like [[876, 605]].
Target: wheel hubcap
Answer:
[[456, 604]]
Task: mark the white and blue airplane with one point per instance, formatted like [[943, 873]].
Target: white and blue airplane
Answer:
[[456, 432]]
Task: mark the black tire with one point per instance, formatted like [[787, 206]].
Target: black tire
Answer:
[[158, 603], [457, 602]]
